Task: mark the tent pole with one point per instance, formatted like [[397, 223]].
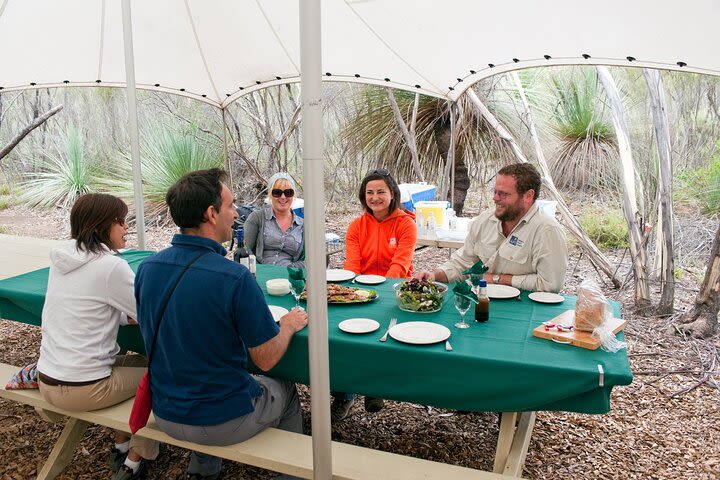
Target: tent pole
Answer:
[[311, 130], [133, 123], [453, 111]]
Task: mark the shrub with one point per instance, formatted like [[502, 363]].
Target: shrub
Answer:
[[702, 186], [607, 228]]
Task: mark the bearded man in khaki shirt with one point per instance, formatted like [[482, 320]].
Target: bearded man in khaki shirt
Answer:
[[520, 244]]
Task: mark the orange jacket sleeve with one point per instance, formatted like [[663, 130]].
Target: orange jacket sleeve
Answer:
[[401, 264], [352, 247]]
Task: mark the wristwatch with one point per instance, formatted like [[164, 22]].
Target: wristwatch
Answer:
[[496, 278]]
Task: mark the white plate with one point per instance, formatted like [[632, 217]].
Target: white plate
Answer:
[[359, 325], [337, 275], [370, 279], [546, 297], [419, 333], [495, 290], [277, 312]]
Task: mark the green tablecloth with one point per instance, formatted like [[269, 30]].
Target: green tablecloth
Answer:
[[496, 366]]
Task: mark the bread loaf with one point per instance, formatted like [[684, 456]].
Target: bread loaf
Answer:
[[590, 307]]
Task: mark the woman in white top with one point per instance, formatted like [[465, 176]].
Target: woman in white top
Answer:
[[90, 294]]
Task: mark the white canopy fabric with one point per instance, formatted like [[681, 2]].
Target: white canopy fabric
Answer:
[[217, 50]]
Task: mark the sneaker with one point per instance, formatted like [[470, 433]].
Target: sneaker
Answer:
[[373, 405], [116, 459], [197, 476], [340, 408], [126, 473]]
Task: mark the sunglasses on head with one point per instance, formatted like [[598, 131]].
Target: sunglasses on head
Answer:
[[379, 171], [277, 192]]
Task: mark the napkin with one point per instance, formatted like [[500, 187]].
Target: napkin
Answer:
[[463, 289], [476, 272], [296, 277]]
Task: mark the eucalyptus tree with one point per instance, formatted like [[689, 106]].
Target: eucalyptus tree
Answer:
[[373, 132]]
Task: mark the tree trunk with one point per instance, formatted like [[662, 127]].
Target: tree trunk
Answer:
[[637, 250], [665, 207], [702, 320], [36, 122], [595, 255], [408, 135], [442, 132]]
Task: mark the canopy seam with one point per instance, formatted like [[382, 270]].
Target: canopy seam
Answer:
[[2, 7], [277, 37], [392, 50], [200, 50]]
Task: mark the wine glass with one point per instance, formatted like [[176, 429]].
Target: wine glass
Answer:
[[462, 304], [296, 288]]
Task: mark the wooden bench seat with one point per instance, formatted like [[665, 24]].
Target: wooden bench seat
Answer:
[[273, 449]]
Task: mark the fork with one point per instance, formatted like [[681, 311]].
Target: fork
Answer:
[[393, 321]]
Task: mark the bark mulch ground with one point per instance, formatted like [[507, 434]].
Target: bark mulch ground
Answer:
[[663, 426]]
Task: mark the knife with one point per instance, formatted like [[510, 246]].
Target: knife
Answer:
[[393, 321]]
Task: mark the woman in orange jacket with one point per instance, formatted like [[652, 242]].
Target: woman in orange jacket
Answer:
[[380, 242]]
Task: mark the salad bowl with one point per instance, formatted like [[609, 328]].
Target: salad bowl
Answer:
[[420, 296]]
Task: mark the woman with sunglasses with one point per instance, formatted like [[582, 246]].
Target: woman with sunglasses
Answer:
[[380, 242], [274, 234], [90, 293]]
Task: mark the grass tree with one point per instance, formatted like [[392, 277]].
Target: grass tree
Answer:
[[586, 155], [165, 157], [373, 131], [65, 174]]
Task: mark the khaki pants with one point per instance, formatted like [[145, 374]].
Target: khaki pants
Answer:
[[119, 386]]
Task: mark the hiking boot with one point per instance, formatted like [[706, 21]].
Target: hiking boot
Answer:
[[197, 476], [126, 473], [116, 459], [373, 405], [340, 408]]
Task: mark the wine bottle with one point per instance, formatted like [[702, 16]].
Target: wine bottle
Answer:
[[241, 254]]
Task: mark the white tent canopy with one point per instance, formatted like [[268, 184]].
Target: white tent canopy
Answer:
[[217, 50]]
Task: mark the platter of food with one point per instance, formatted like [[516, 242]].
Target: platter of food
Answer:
[[341, 295], [420, 296]]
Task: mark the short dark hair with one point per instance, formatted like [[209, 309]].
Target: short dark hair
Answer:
[[384, 175], [193, 194], [526, 177], [91, 217]]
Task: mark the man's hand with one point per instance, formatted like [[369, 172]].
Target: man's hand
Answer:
[[435, 275], [424, 276], [268, 354], [296, 319], [131, 320]]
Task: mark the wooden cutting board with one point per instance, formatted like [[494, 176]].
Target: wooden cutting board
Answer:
[[575, 337]]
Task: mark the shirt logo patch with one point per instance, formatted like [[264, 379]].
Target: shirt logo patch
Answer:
[[393, 242], [515, 241]]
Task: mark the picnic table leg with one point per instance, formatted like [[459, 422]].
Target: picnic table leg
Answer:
[[513, 443], [64, 449], [505, 440]]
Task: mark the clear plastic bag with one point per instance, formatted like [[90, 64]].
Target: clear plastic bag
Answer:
[[593, 314]]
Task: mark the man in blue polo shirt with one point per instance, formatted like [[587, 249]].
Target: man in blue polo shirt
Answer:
[[215, 317]]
